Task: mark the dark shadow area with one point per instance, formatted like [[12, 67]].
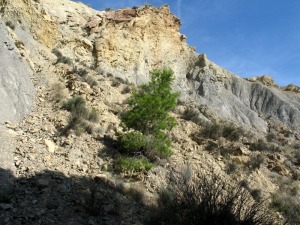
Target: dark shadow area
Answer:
[[111, 145], [111, 148], [53, 198]]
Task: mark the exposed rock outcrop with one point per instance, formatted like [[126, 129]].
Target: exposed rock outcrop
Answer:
[[149, 39], [15, 85], [292, 88], [249, 103], [265, 79], [17, 95], [31, 17]]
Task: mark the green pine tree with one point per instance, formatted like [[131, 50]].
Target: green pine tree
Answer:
[[148, 113]]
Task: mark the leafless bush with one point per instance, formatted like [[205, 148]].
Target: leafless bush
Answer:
[[208, 200], [256, 162], [261, 145], [58, 92], [217, 130], [91, 81], [287, 202]]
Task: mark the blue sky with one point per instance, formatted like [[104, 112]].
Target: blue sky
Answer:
[[250, 38]]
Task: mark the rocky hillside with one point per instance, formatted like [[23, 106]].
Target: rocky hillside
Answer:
[[128, 43], [54, 171]]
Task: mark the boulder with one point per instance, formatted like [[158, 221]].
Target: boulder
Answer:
[[51, 146]]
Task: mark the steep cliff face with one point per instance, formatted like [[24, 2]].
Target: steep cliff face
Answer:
[[129, 43], [16, 89], [247, 102], [29, 16], [149, 38]]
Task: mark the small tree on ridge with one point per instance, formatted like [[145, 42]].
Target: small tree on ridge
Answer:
[[148, 111]]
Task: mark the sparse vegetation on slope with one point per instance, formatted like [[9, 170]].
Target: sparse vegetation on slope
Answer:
[[81, 118], [130, 164], [217, 130], [61, 58], [287, 202], [191, 114], [261, 145], [208, 200]]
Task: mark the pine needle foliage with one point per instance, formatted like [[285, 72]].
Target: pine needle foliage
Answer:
[[150, 105], [148, 114]]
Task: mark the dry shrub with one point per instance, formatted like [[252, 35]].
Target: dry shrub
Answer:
[[217, 130], [58, 92], [287, 200], [208, 200], [81, 118]]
